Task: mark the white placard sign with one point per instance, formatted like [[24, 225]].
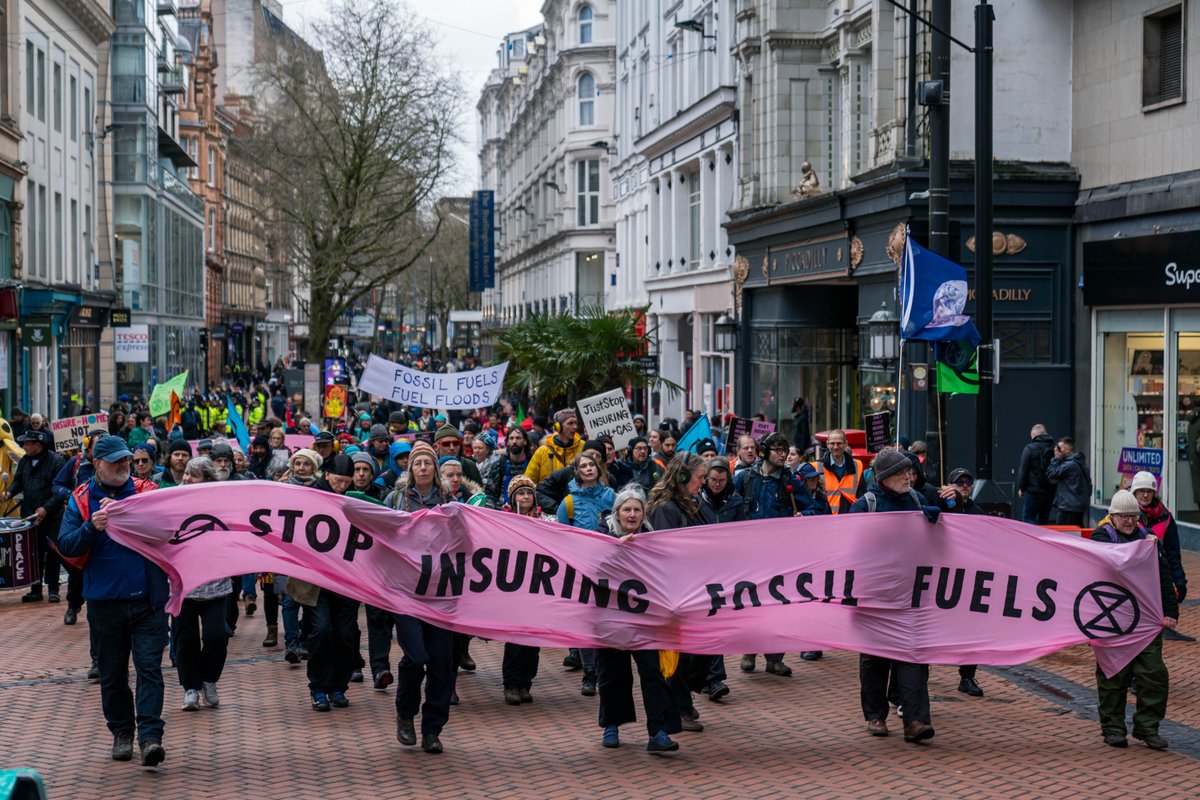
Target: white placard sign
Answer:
[[131, 345], [70, 431], [608, 415], [478, 388]]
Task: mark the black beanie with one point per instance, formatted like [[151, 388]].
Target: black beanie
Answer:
[[175, 445], [341, 464]]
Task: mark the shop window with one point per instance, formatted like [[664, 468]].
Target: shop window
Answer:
[[1025, 341], [1132, 411], [1163, 58]]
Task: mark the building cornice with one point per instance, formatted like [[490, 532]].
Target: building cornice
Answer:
[[716, 106], [92, 19]]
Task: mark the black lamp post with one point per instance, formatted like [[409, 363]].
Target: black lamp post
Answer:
[[882, 336], [725, 334]]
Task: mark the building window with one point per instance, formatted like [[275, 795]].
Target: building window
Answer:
[[694, 220], [587, 187], [1163, 57], [43, 235], [41, 86], [30, 85], [74, 265], [587, 99], [212, 229], [58, 98], [585, 24], [32, 227], [73, 99], [87, 109], [58, 237], [212, 165]]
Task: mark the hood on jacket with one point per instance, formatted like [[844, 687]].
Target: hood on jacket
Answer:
[[574, 488]]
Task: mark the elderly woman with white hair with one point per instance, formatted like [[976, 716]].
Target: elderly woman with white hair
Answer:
[[615, 678]]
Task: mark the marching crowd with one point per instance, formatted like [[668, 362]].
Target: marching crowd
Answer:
[[411, 459]]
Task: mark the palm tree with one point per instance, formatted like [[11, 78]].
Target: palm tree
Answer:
[[557, 360]]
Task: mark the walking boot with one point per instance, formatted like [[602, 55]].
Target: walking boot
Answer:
[[272, 638]]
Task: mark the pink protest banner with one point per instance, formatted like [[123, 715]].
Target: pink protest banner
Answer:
[[296, 441], [968, 589]]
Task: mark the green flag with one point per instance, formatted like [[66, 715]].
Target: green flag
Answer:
[[160, 398], [520, 414], [952, 381]]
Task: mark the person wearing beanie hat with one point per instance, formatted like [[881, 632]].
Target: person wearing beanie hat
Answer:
[[260, 457], [364, 477], [143, 462], [378, 446], [1072, 484], [448, 442], [643, 469], [490, 464], [892, 489], [1123, 526], [557, 450], [204, 447], [520, 664], [1159, 520], [179, 453], [718, 493], [303, 466], [430, 660]]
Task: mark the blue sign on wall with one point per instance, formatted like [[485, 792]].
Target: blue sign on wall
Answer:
[[483, 241]]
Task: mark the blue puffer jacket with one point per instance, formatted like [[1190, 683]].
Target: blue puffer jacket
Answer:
[[768, 496], [590, 505], [113, 571]]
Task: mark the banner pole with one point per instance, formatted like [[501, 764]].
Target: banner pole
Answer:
[[941, 446], [899, 391]]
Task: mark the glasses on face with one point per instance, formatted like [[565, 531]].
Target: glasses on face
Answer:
[[964, 482], [141, 461], [1126, 517], [779, 450]]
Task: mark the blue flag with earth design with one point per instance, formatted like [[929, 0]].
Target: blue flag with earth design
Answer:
[[933, 294]]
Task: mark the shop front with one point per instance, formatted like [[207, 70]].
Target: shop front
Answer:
[[1144, 296], [817, 270]]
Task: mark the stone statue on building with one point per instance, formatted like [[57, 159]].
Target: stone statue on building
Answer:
[[810, 184]]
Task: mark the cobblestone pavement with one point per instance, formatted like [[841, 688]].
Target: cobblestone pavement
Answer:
[[1033, 735]]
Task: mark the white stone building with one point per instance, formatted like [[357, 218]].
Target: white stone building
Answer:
[[546, 123], [673, 183]]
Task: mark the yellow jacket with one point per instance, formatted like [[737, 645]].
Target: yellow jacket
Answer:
[[551, 456]]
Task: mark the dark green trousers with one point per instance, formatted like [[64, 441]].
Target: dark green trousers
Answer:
[[1151, 674]]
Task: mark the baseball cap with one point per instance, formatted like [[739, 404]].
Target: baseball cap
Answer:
[[111, 449]]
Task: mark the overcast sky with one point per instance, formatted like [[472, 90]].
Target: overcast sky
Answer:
[[469, 32]]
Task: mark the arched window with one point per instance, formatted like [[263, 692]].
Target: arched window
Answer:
[[587, 99], [585, 24]]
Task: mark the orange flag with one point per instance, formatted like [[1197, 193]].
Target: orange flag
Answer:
[[173, 418]]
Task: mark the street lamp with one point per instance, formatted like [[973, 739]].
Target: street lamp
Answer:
[[725, 334], [882, 335]]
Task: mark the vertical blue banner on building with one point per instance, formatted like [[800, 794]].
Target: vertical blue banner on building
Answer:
[[483, 241]]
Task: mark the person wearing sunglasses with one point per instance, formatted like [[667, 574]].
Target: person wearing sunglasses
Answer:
[[955, 498], [143, 462]]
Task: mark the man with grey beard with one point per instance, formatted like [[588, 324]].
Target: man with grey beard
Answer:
[[126, 595]]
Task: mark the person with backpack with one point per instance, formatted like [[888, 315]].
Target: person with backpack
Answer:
[[589, 500], [769, 491], [1033, 484], [559, 450], [892, 490], [1123, 526], [1073, 485]]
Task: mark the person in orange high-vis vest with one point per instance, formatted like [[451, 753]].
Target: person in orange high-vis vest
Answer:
[[842, 474]]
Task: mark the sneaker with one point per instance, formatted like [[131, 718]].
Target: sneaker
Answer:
[[512, 697], [526, 697], [588, 687], [431, 744], [406, 732], [34, 596], [384, 680], [53, 597], [292, 656], [969, 686], [320, 701], [93, 673], [191, 700], [748, 663], [1116, 740], [1153, 741], [611, 737], [779, 668], [339, 699], [356, 676], [717, 690], [122, 749], [71, 617], [661, 743], [466, 663], [209, 691], [572, 661], [251, 606], [812, 655], [153, 753]]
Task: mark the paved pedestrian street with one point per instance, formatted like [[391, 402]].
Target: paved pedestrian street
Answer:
[[1033, 735]]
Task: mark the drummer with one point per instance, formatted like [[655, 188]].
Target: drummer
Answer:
[[34, 481]]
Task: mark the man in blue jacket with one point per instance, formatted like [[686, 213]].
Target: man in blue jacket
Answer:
[[126, 595]]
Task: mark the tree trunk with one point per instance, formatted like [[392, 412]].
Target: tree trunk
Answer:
[[320, 326]]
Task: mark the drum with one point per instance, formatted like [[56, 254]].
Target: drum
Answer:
[[18, 553]]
